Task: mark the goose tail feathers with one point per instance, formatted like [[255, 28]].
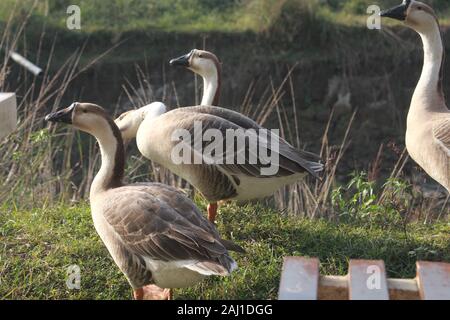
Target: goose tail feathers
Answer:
[[224, 267]]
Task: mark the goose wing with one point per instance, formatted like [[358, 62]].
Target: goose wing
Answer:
[[441, 133], [230, 115], [291, 161], [160, 223], [247, 123]]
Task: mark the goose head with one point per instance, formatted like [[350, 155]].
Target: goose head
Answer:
[[417, 15], [86, 117], [129, 122], [204, 63], [94, 120]]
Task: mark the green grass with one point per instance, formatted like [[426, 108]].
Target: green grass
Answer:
[[195, 15], [38, 245], [167, 15]]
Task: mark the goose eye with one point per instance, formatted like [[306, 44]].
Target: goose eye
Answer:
[[85, 111], [419, 8]]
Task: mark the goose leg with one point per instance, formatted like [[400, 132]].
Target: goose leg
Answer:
[[212, 212], [152, 292], [138, 294]]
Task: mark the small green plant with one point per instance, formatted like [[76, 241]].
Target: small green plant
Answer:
[[358, 200], [40, 136], [397, 193]]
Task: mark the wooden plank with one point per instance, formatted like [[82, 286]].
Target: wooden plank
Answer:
[[299, 279], [403, 289], [367, 280], [333, 288], [336, 288], [8, 114], [433, 279]]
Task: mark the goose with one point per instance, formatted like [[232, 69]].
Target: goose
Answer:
[[215, 181], [155, 234], [428, 122]]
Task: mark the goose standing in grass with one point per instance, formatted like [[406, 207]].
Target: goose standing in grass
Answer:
[[155, 234], [219, 180], [208, 66], [428, 123]]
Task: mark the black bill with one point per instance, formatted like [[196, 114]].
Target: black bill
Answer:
[[398, 12], [183, 61], [64, 115]]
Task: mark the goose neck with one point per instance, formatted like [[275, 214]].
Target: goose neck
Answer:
[[211, 89], [428, 95], [112, 159]]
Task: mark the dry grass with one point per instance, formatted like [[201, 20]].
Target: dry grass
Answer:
[[32, 165]]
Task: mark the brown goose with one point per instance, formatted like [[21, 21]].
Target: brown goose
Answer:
[[216, 181], [428, 123], [154, 233]]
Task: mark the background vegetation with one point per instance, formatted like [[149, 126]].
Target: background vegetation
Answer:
[[196, 15], [310, 68]]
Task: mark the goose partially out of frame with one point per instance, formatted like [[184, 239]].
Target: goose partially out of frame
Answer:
[[428, 122], [156, 235], [156, 137]]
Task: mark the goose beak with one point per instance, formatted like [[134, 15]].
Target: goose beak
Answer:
[[64, 115], [398, 12], [183, 61]]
